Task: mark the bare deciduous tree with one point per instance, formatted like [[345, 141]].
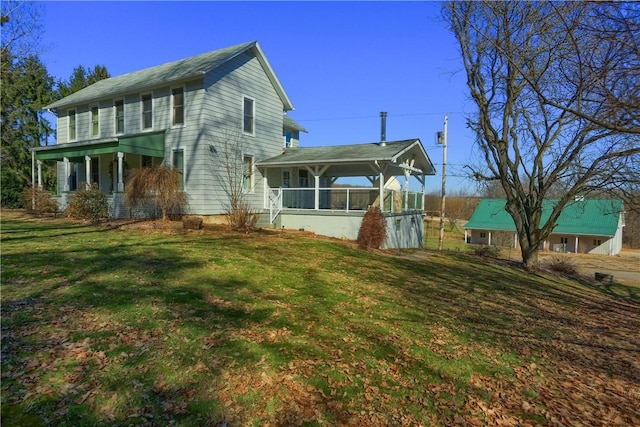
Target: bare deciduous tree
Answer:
[[237, 172], [556, 105], [21, 29]]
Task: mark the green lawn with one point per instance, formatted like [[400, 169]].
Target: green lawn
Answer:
[[116, 326]]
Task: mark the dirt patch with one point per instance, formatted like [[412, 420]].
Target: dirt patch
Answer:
[[624, 267]]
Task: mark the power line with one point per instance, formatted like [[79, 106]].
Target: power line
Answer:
[[376, 116]]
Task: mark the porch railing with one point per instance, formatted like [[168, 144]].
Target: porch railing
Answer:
[[350, 199]]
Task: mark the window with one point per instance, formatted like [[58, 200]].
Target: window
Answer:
[[247, 173], [95, 121], [287, 139], [119, 115], [147, 111], [73, 176], [564, 240], [303, 178], [177, 100], [248, 116], [597, 242], [146, 161], [286, 179], [72, 125], [483, 235], [178, 164], [95, 170]]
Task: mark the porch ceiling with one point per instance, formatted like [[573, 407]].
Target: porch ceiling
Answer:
[[393, 158], [147, 144]]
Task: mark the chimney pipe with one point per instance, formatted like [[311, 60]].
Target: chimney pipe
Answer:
[[383, 128]]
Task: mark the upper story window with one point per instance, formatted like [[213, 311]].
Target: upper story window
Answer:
[[119, 115], [248, 115], [147, 111], [95, 121], [177, 101], [72, 125]]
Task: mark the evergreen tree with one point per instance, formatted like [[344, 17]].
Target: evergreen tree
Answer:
[[81, 78], [26, 88]]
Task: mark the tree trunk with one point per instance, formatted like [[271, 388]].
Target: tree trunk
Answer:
[[529, 255]]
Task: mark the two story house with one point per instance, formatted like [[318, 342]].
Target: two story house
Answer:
[[192, 113]]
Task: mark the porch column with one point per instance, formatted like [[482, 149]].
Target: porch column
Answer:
[[423, 191], [120, 181], [515, 240], [407, 174], [465, 236], [87, 169], [381, 185], [576, 244], [39, 173], [489, 238], [265, 193], [316, 191], [67, 173]]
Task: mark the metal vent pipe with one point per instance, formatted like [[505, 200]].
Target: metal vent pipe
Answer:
[[383, 127]]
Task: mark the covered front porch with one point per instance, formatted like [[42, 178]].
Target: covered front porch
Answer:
[[104, 162], [311, 189]]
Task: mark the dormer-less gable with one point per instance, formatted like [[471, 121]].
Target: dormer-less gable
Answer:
[[171, 73]]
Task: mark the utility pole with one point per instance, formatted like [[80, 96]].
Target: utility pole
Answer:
[[442, 139]]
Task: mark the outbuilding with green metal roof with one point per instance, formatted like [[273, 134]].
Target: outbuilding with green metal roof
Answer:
[[585, 226]]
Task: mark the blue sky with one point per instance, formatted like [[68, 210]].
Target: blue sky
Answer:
[[341, 63]]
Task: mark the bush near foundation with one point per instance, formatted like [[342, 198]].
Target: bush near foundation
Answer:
[[88, 203], [44, 202], [373, 229]]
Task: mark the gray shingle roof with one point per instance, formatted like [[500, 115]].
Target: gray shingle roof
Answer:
[[289, 123], [390, 151], [183, 69]]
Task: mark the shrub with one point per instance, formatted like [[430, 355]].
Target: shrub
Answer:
[[160, 185], [564, 265], [373, 229], [487, 251], [241, 216], [88, 203], [44, 202]]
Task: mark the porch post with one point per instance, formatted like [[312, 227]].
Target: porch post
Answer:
[[465, 236], [316, 191], [381, 185], [407, 174], [576, 244], [33, 193], [265, 192], [120, 182], [39, 173], [87, 169], [515, 241], [67, 173], [489, 238]]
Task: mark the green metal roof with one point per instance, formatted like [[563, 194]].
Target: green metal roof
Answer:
[[594, 217], [148, 144], [175, 71]]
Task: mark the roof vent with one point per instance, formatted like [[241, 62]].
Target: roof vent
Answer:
[[383, 128]]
